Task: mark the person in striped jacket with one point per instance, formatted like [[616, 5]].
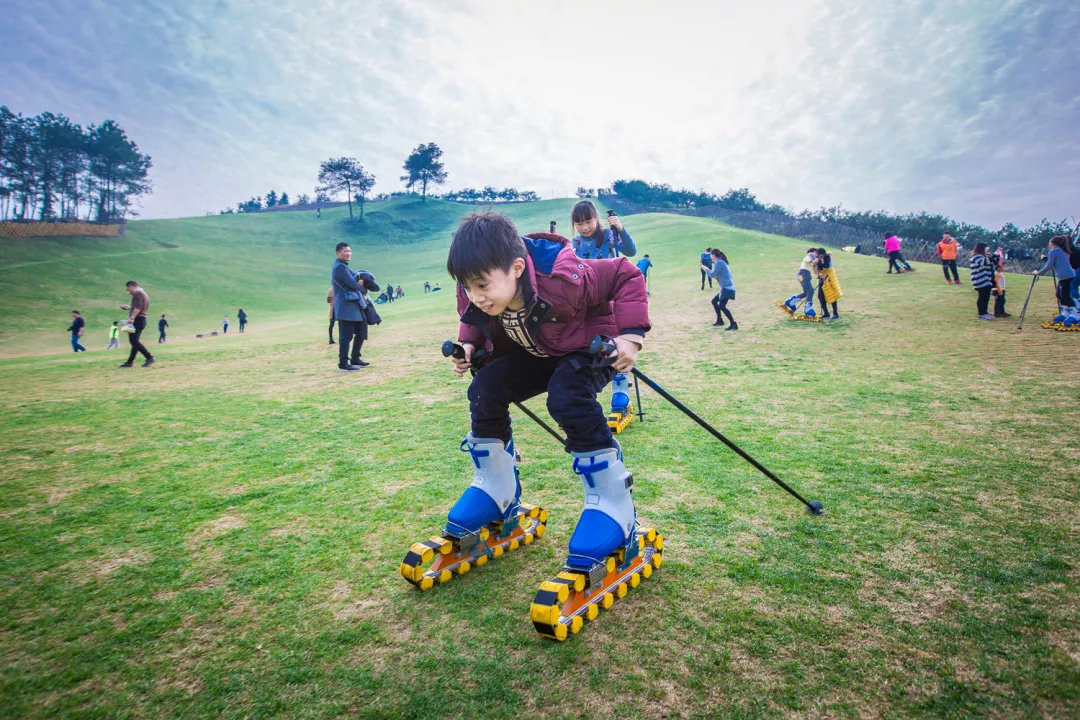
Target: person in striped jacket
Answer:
[[982, 279]]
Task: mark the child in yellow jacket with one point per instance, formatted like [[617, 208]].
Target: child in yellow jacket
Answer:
[[828, 286]]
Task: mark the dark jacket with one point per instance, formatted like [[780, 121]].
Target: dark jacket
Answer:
[[343, 280], [571, 300], [77, 324]]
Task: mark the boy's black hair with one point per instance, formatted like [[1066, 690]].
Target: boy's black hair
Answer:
[[115, 322], [821, 251], [340, 245], [483, 242], [646, 254], [76, 312], [131, 283]]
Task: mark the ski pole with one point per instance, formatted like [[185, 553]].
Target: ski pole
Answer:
[[452, 349], [1024, 311], [640, 412], [614, 235], [600, 346]]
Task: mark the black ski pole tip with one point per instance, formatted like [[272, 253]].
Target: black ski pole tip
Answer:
[[815, 508]]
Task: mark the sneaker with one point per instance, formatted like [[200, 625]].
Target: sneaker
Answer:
[[835, 317], [359, 363], [986, 317], [1003, 314], [125, 365], [347, 368], [149, 361], [333, 341], [718, 323], [732, 326]]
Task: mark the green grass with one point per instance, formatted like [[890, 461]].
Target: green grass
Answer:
[[220, 536]]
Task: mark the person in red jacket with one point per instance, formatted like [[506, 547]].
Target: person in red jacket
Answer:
[[535, 306], [946, 250]]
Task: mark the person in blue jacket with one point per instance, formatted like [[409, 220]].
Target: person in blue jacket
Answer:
[[706, 265], [592, 241], [643, 265], [349, 304]]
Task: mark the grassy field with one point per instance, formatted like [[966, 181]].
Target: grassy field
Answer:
[[219, 536]]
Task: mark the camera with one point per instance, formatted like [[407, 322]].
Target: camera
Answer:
[[610, 213]]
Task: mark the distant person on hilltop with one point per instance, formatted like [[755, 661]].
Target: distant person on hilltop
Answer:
[[427, 287], [225, 325], [437, 288], [643, 265], [140, 305], [161, 325], [946, 250], [241, 316], [318, 212], [706, 266], [76, 330], [551, 227], [399, 292], [389, 292], [114, 336]]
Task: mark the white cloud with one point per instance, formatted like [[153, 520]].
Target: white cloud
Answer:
[[951, 107]]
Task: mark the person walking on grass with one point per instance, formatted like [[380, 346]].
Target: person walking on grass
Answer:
[[114, 336], [946, 250], [140, 304], [225, 325], [722, 273], [982, 279], [76, 330], [1058, 261], [241, 316], [161, 325]]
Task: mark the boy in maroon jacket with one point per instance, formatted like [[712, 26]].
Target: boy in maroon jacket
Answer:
[[536, 306]]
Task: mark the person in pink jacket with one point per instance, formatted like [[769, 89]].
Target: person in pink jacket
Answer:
[[896, 258], [535, 307]]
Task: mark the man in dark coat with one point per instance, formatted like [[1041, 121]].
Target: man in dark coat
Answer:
[[349, 303]]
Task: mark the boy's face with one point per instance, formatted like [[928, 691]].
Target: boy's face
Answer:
[[345, 254], [497, 289], [586, 228]]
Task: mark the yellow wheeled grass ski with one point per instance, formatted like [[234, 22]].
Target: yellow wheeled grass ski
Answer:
[[440, 559], [619, 421], [797, 316], [565, 602], [1060, 326]]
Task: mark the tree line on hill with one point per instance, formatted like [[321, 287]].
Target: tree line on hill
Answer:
[[54, 169], [922, 226]]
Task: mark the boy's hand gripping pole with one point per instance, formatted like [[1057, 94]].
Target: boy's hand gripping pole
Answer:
[[480, 357], [602, 346]]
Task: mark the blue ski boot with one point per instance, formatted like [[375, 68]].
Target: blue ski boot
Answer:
[[607, 521], [495, 491], [792, 304], [620, 393], [809, 312]]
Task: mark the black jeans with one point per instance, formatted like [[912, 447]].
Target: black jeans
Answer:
[[571, 387], [332, 321], [983, 300], [893, 260], [719, 303], [1063, 296], [354, 333], [947, 265], [136, 342], [999, 303], [705, 275]]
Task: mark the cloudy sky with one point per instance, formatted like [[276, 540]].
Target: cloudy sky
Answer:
[[968, 108]]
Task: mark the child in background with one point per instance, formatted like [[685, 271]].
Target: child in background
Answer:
[[982, 279], [114, 336], [593, 241], [225, 325], [805, 277], [722, 273], [828, 286], [998, 291]]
